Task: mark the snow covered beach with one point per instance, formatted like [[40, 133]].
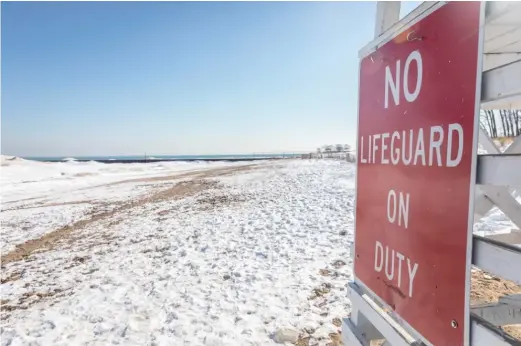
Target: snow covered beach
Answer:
[[174, 254], [177, 253]]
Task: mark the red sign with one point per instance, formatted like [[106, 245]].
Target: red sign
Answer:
[[417, 147]]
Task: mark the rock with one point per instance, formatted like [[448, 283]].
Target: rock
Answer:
[[342, 233], [283, 335], [337, 322], [50, 324], [226, 277], [310, 330], [324, 272], [338, 263]]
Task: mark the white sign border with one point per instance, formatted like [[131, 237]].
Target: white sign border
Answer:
[[473, 169]]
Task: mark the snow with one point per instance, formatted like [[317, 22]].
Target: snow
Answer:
[[200, 274], [19, 226], [22, 179], [495, 222], [243, 258], [502, 145], [38, 197]]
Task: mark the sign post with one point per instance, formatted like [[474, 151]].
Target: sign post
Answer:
[[417, 151]]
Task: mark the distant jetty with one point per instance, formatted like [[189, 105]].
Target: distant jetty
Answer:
[[217, 159]]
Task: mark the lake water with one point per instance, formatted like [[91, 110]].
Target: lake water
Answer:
[[159, 157]]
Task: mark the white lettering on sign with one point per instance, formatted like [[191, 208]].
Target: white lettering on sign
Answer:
[[385, 160], [390, 265], [397, 208], [375, 145], [417, 147], [421, 147], [390, 84], [434, 146], [410, 97], [395, 154], [362, 159], [378, 265], [450, 161], [393, 85], [403, 209]]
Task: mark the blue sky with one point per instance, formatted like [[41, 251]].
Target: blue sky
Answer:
[[123, 78]]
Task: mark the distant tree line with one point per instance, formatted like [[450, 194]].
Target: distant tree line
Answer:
[[509, 121]]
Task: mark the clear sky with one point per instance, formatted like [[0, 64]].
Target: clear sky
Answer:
[[118, 78]]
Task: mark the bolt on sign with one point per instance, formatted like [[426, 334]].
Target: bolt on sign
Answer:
[[417, 146]]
